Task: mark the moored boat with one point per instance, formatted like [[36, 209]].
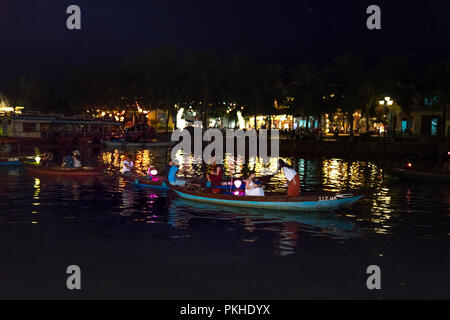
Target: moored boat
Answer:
[[59, 171], [10, 161], [304, 202], [153, 182], [10, 154], [420, 175]]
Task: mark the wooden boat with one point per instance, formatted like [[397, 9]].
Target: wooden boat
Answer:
[[304, 202], [147, 182], [429, 176], [10, 161], [124, 144], [9, 157], [58, 171]]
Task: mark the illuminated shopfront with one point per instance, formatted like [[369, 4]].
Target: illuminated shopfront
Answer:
[[281, 122]]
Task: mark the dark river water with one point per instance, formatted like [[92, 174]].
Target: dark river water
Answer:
[[143, 243]]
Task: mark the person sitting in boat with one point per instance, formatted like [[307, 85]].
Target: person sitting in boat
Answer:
[[251, 187], [167, 170], [292, 177], [215, 177], [46, 158], [68, 161], [172, 177], [76, 159], [127, 166]]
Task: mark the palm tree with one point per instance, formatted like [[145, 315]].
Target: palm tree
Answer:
[[253, 85], [202, 82], [308, 88], [356, 87], [166, 80]]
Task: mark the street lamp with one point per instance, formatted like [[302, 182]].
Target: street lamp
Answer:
[[386, 102]]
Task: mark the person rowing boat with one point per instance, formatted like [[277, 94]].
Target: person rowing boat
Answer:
[[292, 177]]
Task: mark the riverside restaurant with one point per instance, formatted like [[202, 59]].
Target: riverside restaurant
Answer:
[[36, 125]]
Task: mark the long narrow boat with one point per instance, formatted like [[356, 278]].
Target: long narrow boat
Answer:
[[123, 144], [147, 182], [63, 172], [304, 202], [9, 157], [10, 161], [430, 176]]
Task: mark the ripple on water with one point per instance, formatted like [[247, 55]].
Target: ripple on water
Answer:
[[388, 209]]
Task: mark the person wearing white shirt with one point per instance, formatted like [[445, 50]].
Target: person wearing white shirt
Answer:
[[292, 177], [251, 188], [76, 159], [127, 166]]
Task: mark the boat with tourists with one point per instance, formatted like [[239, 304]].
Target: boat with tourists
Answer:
[[280, 201], [35, 168]]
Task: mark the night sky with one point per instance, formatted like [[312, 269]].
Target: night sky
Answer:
[[34, 37]]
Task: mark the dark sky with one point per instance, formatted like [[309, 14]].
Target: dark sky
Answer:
[[34, 38]]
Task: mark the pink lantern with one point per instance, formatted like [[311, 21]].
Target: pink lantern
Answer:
[[153, 172], [237, 183]]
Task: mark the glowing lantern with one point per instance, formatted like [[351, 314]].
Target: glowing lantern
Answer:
[[37, 159], [153, 172], [181, 123], [237, 183]]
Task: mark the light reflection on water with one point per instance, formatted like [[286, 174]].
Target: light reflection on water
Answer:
[[389, 209], [317, 174]]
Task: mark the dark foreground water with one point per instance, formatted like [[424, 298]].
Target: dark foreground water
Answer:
[[143, 243]]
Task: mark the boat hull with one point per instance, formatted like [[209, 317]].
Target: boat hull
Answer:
[[156, 183], [10, 162], [421, 175], [61, 172], [301, 203]]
